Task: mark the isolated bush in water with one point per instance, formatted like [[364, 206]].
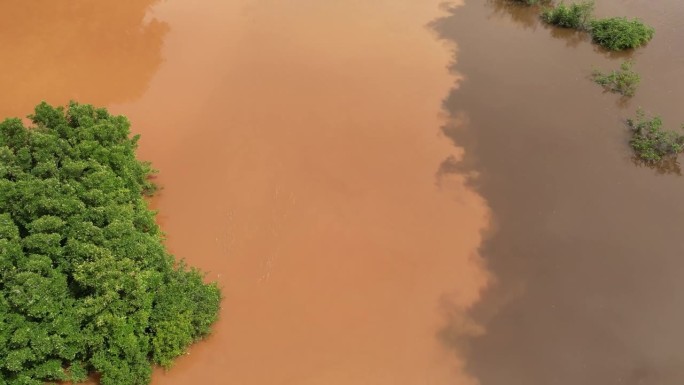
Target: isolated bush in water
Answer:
[[86, 284], [619, 33], [623, 81], [575, 15], [651, 142]]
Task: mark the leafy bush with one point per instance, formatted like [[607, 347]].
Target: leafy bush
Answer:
[[623, 81], [575, 15], [86, 285], [619, 33], [651, 142]]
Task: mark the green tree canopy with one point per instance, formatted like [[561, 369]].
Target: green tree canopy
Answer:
[[86, 285]]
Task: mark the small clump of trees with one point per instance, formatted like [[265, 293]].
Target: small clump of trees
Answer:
[[613, 33], [575, 15], [619, 33], [651, 142], [623, 81], [86, 284]]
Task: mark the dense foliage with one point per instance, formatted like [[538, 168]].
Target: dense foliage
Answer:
[[623, 81], [651, 142], [575, 15], [619, 33], [86, 285]]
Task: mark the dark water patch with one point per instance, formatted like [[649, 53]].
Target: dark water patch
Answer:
[[587, 248]]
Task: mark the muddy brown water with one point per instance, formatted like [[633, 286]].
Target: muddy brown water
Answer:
[[298, 144], [586, 247], [389, 192]]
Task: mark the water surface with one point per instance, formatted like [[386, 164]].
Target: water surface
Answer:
[[587, 247], [374, 217], [299, 144]]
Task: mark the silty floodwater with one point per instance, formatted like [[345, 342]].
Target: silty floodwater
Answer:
[[586, 246], [299, 145], [322, 163]]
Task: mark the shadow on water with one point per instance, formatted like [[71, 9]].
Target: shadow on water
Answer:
[[572, 37], [528, 18], [521, 14], [98, 52], [585, 248], [668, 166]]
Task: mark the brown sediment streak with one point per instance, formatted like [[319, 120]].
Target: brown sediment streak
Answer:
[[299, 143]]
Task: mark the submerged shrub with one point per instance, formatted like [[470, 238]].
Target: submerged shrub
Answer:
[[619, 33], [86, 284], [575, 15], [650, 142], [623, 81]]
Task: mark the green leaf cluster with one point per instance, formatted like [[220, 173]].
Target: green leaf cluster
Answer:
[[86, 285], [620, 33], [575, 15], [623, 81], [651, 142]]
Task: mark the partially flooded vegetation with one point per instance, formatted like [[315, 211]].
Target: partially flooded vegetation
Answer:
[[372, 217], [575, 16], [651, 142], [620, 33], [86, 285], [612, 33], [585, 252], [623, 81]]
